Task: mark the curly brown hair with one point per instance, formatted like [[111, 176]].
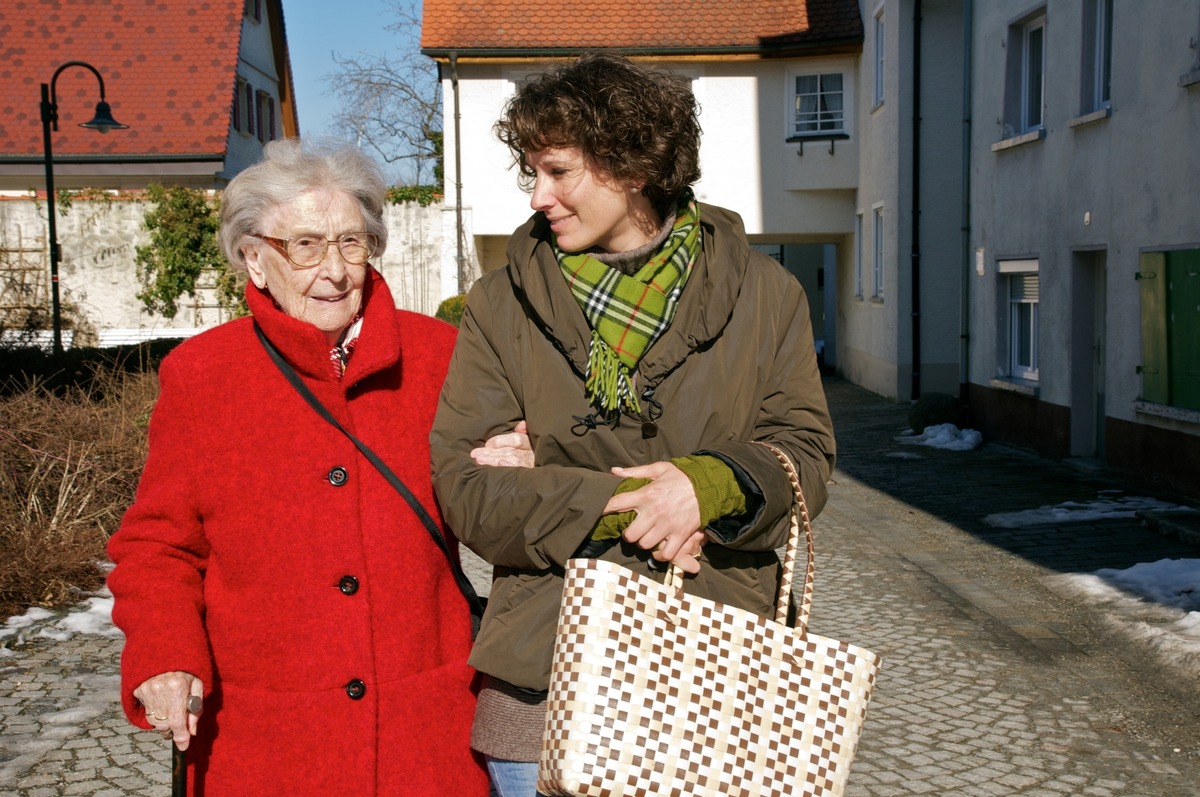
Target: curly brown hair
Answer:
[[635, 122]]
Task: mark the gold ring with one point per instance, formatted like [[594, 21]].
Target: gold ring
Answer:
[[697, 554], [157, 718]]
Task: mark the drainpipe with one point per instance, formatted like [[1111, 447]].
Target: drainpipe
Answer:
[[964, 313], [463, 277], [916, 205]]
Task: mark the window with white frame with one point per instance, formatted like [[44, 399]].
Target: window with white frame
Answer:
[[1097, 55], [1020, 281], [858, 255], [877, 266], [819, 105], [1033, 73], [1025, 80], [879, 42]]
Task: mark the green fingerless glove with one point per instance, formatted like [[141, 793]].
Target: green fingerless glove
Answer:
[[610, 526], [717, 488]]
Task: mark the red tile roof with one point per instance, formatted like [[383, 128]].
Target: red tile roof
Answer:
[[510, 27], [169, 68]]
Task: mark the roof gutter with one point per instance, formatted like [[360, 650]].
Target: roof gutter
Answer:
[[780, 51], [464, 281], [915, 273], [964, 299], [78, 159]]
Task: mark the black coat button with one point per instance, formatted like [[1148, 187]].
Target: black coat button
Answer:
[[348, 585], [338, 476], [356, 689]]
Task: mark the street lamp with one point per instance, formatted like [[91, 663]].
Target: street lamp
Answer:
[[102, 121]]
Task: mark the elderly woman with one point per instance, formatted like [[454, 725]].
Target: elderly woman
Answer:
[[285, 611], [632, 352]]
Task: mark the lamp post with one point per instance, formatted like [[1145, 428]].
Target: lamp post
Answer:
[[102, 121]]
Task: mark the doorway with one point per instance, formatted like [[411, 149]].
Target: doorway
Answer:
[[815, 266]]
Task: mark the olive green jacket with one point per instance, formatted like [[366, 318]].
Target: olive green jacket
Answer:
[[737, 364]]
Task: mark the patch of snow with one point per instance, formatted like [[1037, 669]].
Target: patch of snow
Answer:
[[946, 436]]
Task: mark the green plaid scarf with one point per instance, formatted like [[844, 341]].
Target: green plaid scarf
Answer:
[[628, 314]]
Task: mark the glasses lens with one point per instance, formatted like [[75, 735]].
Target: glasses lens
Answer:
[[356, 247], [307, 250]]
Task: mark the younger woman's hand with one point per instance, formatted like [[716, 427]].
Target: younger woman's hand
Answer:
[[668, 514]]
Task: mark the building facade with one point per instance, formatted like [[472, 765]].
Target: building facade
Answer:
[[1084, 285], [993, 200]]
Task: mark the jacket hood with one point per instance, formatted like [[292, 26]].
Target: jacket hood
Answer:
[[704, 309]]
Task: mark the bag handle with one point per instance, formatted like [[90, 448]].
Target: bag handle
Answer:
[[464, 583], [798, 518]]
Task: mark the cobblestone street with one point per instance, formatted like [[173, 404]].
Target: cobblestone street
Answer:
[[996, 679]]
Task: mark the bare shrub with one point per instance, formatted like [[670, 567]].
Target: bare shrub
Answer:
[[69, 465]]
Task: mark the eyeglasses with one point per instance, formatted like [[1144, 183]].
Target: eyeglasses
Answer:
[[308, 251]]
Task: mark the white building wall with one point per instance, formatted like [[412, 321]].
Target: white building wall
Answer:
[[732, 158], [869, 337]]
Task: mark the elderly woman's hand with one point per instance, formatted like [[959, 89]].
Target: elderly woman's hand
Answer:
[[668, 514], [511, 450], [173, 703]]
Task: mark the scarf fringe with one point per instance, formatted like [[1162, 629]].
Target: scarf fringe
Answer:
[[608, 382]]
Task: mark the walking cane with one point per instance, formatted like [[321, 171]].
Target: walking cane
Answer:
[[179, 757], [178, 771]]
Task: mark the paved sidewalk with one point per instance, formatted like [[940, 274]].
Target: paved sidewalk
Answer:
[[992, 683], [995, 680]]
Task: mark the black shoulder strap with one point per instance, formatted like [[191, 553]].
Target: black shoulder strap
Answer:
[[464, 583]]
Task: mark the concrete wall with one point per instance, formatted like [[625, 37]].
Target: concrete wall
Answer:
[[98, 273]]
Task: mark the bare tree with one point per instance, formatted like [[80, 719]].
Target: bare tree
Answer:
[[390, 104]]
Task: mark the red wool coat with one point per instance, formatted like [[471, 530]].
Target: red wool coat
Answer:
[[325, 624]]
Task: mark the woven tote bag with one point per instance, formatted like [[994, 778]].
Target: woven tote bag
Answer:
[[656, 692]]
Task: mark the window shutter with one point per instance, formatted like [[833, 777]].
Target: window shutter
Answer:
[[1023, 287], [1155, 371], [237, 106], [249, 108], [1183, 328], [271, 115]]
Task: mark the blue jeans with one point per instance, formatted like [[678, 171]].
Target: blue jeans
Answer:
[[512, 778]]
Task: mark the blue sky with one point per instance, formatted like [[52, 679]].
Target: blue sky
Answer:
[[318, 28]]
